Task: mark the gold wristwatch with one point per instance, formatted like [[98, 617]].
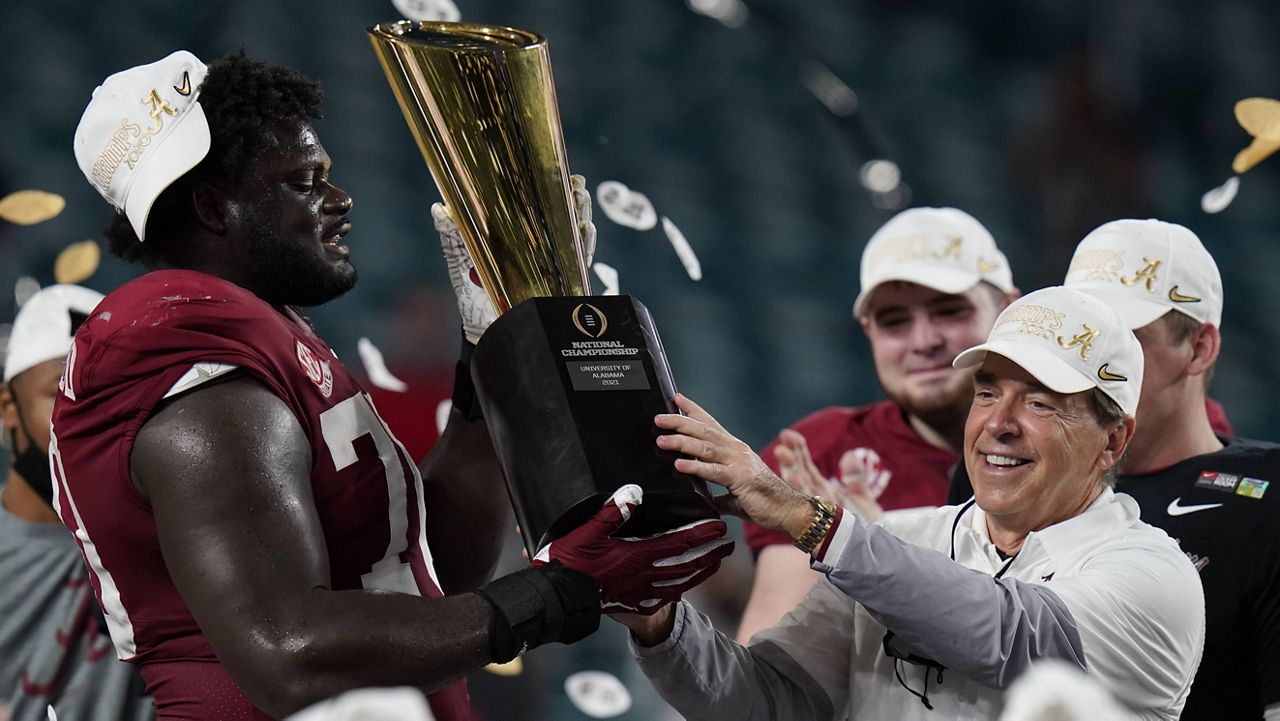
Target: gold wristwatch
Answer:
[[824, 514]]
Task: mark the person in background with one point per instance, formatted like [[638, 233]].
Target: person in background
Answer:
[[1209, 490], [54, 650], [932, 283]]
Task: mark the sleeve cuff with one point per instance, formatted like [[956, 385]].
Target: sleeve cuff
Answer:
[[832, 547], [649, 651]]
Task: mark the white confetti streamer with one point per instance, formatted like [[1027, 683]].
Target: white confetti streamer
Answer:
[[442, 415], [607, 275], [682, 248], [376, 367], [1217, 200], [53, 715], [598, 694], [625, 206], [444, 10], [24, 288]]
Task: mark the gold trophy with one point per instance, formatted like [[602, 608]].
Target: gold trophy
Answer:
[[568, 383]]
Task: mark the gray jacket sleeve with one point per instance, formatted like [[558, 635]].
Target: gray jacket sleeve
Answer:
[[989, 630], [707, 676]]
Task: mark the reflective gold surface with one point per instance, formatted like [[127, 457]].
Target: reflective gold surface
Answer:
[[481, 104]]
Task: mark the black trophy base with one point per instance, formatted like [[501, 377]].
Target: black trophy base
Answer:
[[569, 387]]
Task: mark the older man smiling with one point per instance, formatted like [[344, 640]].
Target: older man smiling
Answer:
[[941, 609]]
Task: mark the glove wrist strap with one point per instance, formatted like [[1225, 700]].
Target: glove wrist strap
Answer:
[[539, 605]]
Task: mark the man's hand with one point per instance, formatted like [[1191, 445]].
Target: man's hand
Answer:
[[652, 629], [755, 493], [850, 490], [473, 301], [640, 575]]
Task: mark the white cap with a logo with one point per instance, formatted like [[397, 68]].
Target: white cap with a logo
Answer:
[[45, 326], [941, 248], [1145, 268], [142, 130], [1070, 342]]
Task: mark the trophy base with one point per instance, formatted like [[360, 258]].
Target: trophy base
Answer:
[[569, 387]]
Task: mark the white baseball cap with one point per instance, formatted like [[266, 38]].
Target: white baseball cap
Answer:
[[940, 248], [1070, 341], [1145, 268], [143, 129], [45, 326]]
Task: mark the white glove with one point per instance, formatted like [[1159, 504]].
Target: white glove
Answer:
[[473, 301]]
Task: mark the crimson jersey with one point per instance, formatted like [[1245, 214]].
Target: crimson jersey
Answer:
[[906, 471], [169, 328]]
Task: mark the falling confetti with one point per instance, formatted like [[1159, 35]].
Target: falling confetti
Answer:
[[880, 176], [1260, 117], [1217, 200], [830, 90], [444, 10], [514, 667], [682, 248], [598, 694], [442, 415], [607, 275], [625, 206], [77, 262], [730, 13], [24, 288], [28, 207], [376, 368]]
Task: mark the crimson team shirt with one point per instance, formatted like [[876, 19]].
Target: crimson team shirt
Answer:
[[910, 472], [168, 330]]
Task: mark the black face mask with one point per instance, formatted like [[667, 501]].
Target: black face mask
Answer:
[[33, 466]]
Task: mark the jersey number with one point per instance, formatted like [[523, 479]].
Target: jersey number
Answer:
[[341, 425]]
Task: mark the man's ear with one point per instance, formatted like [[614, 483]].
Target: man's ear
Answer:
[[1117, 441], [212, 208], [8, 408], [1206, 343]]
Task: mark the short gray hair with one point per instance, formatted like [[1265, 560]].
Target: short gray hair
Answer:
[[1108, 414]]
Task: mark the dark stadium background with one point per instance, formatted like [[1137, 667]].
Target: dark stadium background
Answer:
[[1041, 118]]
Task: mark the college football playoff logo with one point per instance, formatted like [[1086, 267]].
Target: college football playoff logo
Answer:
[[589, 320]]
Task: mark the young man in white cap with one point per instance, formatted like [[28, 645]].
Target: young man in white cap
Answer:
[[932, 283], [932, 613], [257, 537], [1208, 491], [55, 650]]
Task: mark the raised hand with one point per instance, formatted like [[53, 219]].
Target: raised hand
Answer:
[[473, 301], [850, 490], [755, 492]]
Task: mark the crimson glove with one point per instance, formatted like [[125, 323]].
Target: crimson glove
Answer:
[[639, 575]]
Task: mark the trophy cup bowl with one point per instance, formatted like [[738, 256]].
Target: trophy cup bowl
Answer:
[[568, 382]]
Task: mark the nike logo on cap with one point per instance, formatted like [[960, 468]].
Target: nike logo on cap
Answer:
[[1177, 510], [1177, 297], [186, 84], [1104, 372]]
